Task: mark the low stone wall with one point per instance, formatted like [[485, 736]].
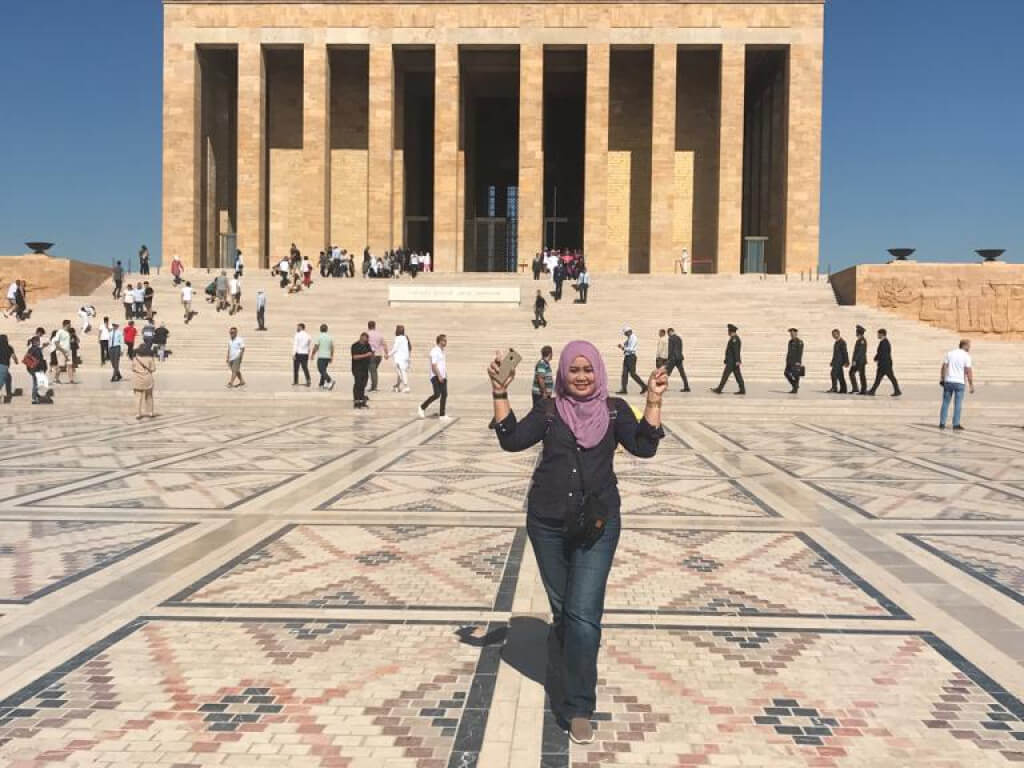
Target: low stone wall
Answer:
[[986, 298], [46, 276]]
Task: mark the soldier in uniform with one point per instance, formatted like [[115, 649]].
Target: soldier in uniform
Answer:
[[733, 361], [883, 364], [840, 360], [859, 363], [794, 360]]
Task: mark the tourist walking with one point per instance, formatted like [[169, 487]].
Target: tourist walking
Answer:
[[236, 352], [675, 358], [138, 301], [104, 336], [957, 372], [114, 353], [117, 273], [380, 351], [261, 310], [537, 265], [177, 269], [323, 349], [883, 365], [35, 364], [65, 360], [186, 301], [21, 310], [6, 355], [539, 306], [573, 518], [147, 300], [558, 276], [127, 300], [438, 379], [302, 342], [220, 290], [840, 361], [235, 291], [794, 361], [629, 348], [160, 339], [859, 363], [143, 260], [661, 351], [401, 354], [582, 285], [543, 378], [130, 332], [85, 314], [362, 355], [733, 362], [143, 369], [239, 263], [12, 298]]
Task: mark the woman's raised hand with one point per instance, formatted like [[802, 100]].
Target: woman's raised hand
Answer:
[[493, 373], [657, 384]]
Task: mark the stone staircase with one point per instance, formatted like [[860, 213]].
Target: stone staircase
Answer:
[[697, 306]]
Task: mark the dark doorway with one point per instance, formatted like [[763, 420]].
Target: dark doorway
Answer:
[[565, 76], [766, 117], [414, 140], [218, 126], [490, 92]]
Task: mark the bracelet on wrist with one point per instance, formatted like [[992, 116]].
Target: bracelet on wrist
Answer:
[[499, 395]]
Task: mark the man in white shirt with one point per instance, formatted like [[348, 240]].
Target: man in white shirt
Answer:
[[629, 361], [236, 351], [127, 299], [186, 300], [139, 299], [12, 298], [301, 344], [105, 341], [956, 374], [438, 378], [261, 310], [235, 291], [64, 359]]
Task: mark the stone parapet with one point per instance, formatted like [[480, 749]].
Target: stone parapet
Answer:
[[46, 276], [985, 298]]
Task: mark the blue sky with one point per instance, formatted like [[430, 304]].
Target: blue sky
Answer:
[[923, 128]]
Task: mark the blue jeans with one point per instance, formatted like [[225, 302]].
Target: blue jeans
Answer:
[[955, 391], [575, 580], [5, 379]]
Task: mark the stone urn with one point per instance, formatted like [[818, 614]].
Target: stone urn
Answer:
[[901, 254], [990, 254], [40, 248]]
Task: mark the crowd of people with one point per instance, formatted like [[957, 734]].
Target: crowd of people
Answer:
[[560, 265]]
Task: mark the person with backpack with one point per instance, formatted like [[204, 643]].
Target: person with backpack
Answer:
[[573, 507], [35, 363]]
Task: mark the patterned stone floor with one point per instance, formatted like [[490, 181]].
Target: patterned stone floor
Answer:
[[286, 588]]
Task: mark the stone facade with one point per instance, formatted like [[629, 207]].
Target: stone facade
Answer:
[[46, 276], [318, 128], [985, 298]]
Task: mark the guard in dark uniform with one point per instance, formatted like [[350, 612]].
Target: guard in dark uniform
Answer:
[[859, 363], [794, 360], [840, 360], [733, 361], [883, 364]]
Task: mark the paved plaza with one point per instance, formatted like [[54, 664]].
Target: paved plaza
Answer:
[[289, 586]]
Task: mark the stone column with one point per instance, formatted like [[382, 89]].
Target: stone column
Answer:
[[531, 150], [252, 176], [182, 94], [446, 256], [595, 179], [730, 163], [803, 183], [381, 148], [314, 188], [663, 158]]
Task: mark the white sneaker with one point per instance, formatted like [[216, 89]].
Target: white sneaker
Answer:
[[421, 414], [407, 390], [445, 418], [330, 385]]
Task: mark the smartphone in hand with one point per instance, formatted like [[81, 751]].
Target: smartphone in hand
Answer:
[[508, 365]]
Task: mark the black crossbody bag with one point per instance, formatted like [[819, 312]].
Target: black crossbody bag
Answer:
[[585, 522]]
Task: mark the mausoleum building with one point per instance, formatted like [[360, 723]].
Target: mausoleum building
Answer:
[[484, 131]]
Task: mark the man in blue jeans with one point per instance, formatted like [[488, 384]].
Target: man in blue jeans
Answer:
[[956, 374]]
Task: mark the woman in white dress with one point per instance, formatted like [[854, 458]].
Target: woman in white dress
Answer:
[[401, 352]]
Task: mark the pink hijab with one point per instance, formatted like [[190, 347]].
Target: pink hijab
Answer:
[[587, 418]]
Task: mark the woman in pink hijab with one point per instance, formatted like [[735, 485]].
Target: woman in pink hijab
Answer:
[[580, 431]]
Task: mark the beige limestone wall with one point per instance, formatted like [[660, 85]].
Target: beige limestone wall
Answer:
[[730, 162], [252, 147], [46, 277], [531, 150], [600, 257], [967, 298], [448, 160], [381, 148], [697, 155], [180, 149], [285, 169], [663, 159], [803, 186], [313, 190], [349, 148]]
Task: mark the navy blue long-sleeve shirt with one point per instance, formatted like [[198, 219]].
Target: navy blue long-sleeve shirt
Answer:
[[557, 480]]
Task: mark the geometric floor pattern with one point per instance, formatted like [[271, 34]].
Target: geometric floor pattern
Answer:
[[297, 587]]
